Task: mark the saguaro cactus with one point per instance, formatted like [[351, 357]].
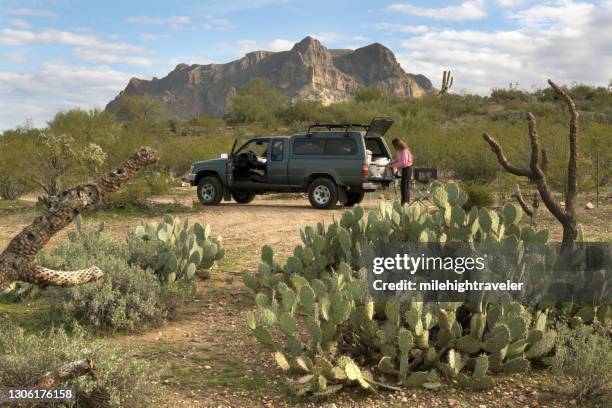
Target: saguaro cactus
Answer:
[[18, 263], [536, 172], [447, 83]]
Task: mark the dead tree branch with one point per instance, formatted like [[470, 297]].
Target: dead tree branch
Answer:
[[66, 372], [537, 169], [18, 263], [447, 83], [532, 211]]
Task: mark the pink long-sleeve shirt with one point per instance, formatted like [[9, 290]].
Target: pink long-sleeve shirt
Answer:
[[404, 159]]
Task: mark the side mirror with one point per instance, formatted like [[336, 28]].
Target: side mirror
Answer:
[[224, 155]]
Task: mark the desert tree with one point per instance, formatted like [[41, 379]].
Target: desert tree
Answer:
[[18, 260], [60, 157], [447, 83], [536, 172]]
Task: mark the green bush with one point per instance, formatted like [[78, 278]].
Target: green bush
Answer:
[[478, 195], [126, 298], [118, 382], [134, 194], [587, 358]]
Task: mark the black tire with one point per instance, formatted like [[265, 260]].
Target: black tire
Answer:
[[353, 198], [323, 193], [243, 197], [210, 190]]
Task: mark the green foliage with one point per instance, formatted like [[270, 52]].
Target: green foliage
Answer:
[[118, 381], [140, 108], [411, 341], [256, 102], [138, 192], [369, 94], [127, 298], [586, 356], [175, 251], [479, 195], [442, 133]]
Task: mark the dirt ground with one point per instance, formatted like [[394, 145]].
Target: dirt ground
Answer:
[[207, 358]]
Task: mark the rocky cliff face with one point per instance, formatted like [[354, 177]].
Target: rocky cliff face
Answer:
[[307, 71]]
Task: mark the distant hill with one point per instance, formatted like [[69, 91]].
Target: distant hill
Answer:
[[308, 71]]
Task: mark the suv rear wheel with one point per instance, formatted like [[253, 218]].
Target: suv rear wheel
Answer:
[[242, 197], [353, 199], [323, 193], [210, 190]]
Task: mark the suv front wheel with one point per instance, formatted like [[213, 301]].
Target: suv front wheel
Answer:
[[210, 190], [323, 193]]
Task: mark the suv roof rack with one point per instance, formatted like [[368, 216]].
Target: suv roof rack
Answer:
[[331, 126], [379, 126]]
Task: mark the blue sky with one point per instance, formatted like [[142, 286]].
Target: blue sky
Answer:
[[59, 54]]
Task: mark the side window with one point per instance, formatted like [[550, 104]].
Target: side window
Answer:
[[341, 147], [308, 146], [276, 151]]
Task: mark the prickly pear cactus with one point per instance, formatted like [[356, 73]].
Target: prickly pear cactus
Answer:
[[313, 312], [185, 250]]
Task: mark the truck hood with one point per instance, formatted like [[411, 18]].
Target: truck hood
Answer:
[[211, 162]]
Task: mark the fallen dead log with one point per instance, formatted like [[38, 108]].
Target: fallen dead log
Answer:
[[18, 261]]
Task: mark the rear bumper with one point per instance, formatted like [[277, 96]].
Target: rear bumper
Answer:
[[376, 183]]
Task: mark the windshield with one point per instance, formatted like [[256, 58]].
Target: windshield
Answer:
[[259, 147]]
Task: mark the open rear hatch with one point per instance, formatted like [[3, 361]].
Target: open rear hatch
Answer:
[[379, 126], [376, 130]]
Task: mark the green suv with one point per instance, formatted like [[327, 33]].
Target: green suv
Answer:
[[336, 162]]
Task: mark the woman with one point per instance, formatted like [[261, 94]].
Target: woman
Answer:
[[403, 163]]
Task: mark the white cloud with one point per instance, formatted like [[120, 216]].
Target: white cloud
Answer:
[[336, 38], [511, 3], [88, 47], [244, 46], [101, 57], [30, 12], [151, 37], [565, 40], [20, 23], [16, 58], [172, 22], [467, 10], [176, 22], [400, 28], [216, 24], [39, 94]]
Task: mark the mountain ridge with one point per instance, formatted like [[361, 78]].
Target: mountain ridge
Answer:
[[308, 71]]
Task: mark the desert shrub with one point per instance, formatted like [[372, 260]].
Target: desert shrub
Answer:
[[159, 182], [370, 93], [138, 192], [118, 382], [134, 194], [258, 101], [11, 188], [478, 195], [126, 298], [587, 358]]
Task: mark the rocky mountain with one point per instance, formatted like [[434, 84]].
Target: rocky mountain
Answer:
[[308, 71]]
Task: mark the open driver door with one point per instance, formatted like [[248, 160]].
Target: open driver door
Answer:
[[229, 173]]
